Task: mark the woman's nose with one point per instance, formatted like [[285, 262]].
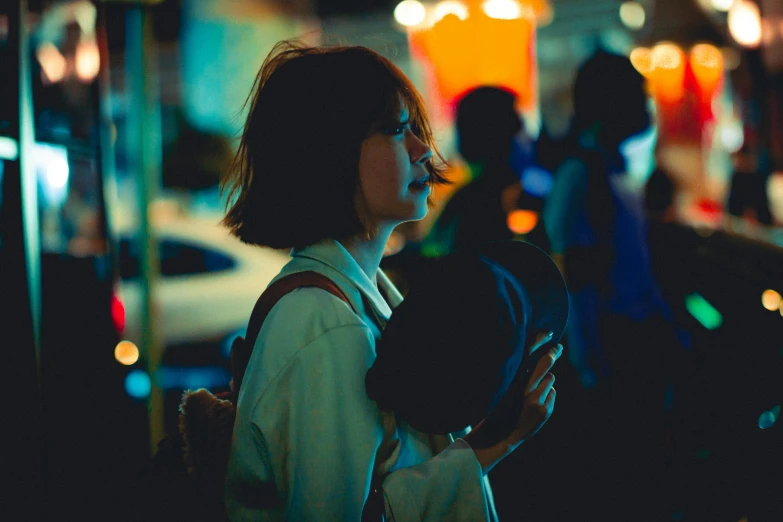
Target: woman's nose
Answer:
[[419, 152]]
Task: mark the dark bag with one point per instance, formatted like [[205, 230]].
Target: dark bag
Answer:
[[192, 463]]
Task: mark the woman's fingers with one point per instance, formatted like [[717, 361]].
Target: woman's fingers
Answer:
[[550, 399], [539, 394], [543, 367], [541, 339]]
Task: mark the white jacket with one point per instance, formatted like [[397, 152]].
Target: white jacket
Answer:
[[307, 439]]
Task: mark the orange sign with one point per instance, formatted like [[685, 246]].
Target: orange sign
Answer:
[[471, 43]]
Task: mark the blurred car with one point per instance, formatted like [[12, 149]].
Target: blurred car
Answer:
[[209, 280]]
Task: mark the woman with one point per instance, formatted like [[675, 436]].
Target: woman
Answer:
[[336, 152]]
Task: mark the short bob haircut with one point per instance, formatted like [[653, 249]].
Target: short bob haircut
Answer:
[[295, 178]]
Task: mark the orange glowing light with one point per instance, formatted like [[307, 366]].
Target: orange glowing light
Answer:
[[641, 58], [771, 300], [490, 42], [521, 221], [126, 353], [706, 62], [668, 73]]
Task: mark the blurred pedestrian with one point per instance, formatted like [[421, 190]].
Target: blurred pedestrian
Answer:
[[748, 198], [620, 335], [336, 152], [491, 139]]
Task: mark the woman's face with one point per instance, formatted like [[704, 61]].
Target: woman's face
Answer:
[[394, 181]]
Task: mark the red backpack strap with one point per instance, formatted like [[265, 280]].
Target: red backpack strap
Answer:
[[242, 349]]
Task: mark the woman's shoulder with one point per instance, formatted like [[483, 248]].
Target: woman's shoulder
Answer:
[[299, 319], [305, 314], [307, 327]]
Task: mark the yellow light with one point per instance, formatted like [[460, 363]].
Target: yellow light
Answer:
[[745, 23], [632, 15], [722, 5], [88, 60], [126, 353], [504, 9], [409, 13], [770, 300], [52, 62], [667, 56], [706, 55], [641, 58], [521, 221], [450, 7]]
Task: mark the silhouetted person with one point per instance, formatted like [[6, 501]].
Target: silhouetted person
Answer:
[[488, 132], [748, 190], [659, 195], [620, 329]]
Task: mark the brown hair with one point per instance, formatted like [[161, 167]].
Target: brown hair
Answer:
[[294, 179]]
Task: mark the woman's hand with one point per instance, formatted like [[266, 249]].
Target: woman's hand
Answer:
[[519, 414]]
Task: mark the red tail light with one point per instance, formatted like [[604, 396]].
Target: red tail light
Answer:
[[117, 313]]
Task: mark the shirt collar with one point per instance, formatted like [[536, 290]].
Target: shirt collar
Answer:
[[333, 254]]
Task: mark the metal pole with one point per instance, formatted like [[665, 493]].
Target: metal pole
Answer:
[[30, 222], [143, 127], [20, 279]]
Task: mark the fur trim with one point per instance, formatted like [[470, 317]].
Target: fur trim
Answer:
[[206, 424]]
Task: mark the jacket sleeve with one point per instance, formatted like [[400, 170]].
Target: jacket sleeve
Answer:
[[319, 433]]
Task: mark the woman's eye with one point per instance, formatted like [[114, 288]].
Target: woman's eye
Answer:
[[398, 129]]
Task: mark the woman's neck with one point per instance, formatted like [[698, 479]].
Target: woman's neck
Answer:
[[368, 252]]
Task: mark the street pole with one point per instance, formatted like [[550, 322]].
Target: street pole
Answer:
[[144, 152]]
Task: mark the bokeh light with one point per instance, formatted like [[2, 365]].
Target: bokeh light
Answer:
[[409, 13], [731, 135], [707, 65], [632, 15], [745, 23], [450, 7], [53, 64], [770, 299], [118, 313], [9, 149], [521, 221], [502, 9], [88, 60], [768, 418], [701, 310], [537, 181], [722, 5], [641, 58], [138, 384], [668, 71], [395, 244], [126, 353]]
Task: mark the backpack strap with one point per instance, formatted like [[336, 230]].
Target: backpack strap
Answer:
[[242, 348]]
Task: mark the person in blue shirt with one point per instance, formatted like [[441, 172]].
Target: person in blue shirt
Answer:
[[621, 337]]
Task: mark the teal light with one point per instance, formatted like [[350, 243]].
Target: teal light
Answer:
[[768, 418], [189, 378], [138, 384], [703, 311]]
